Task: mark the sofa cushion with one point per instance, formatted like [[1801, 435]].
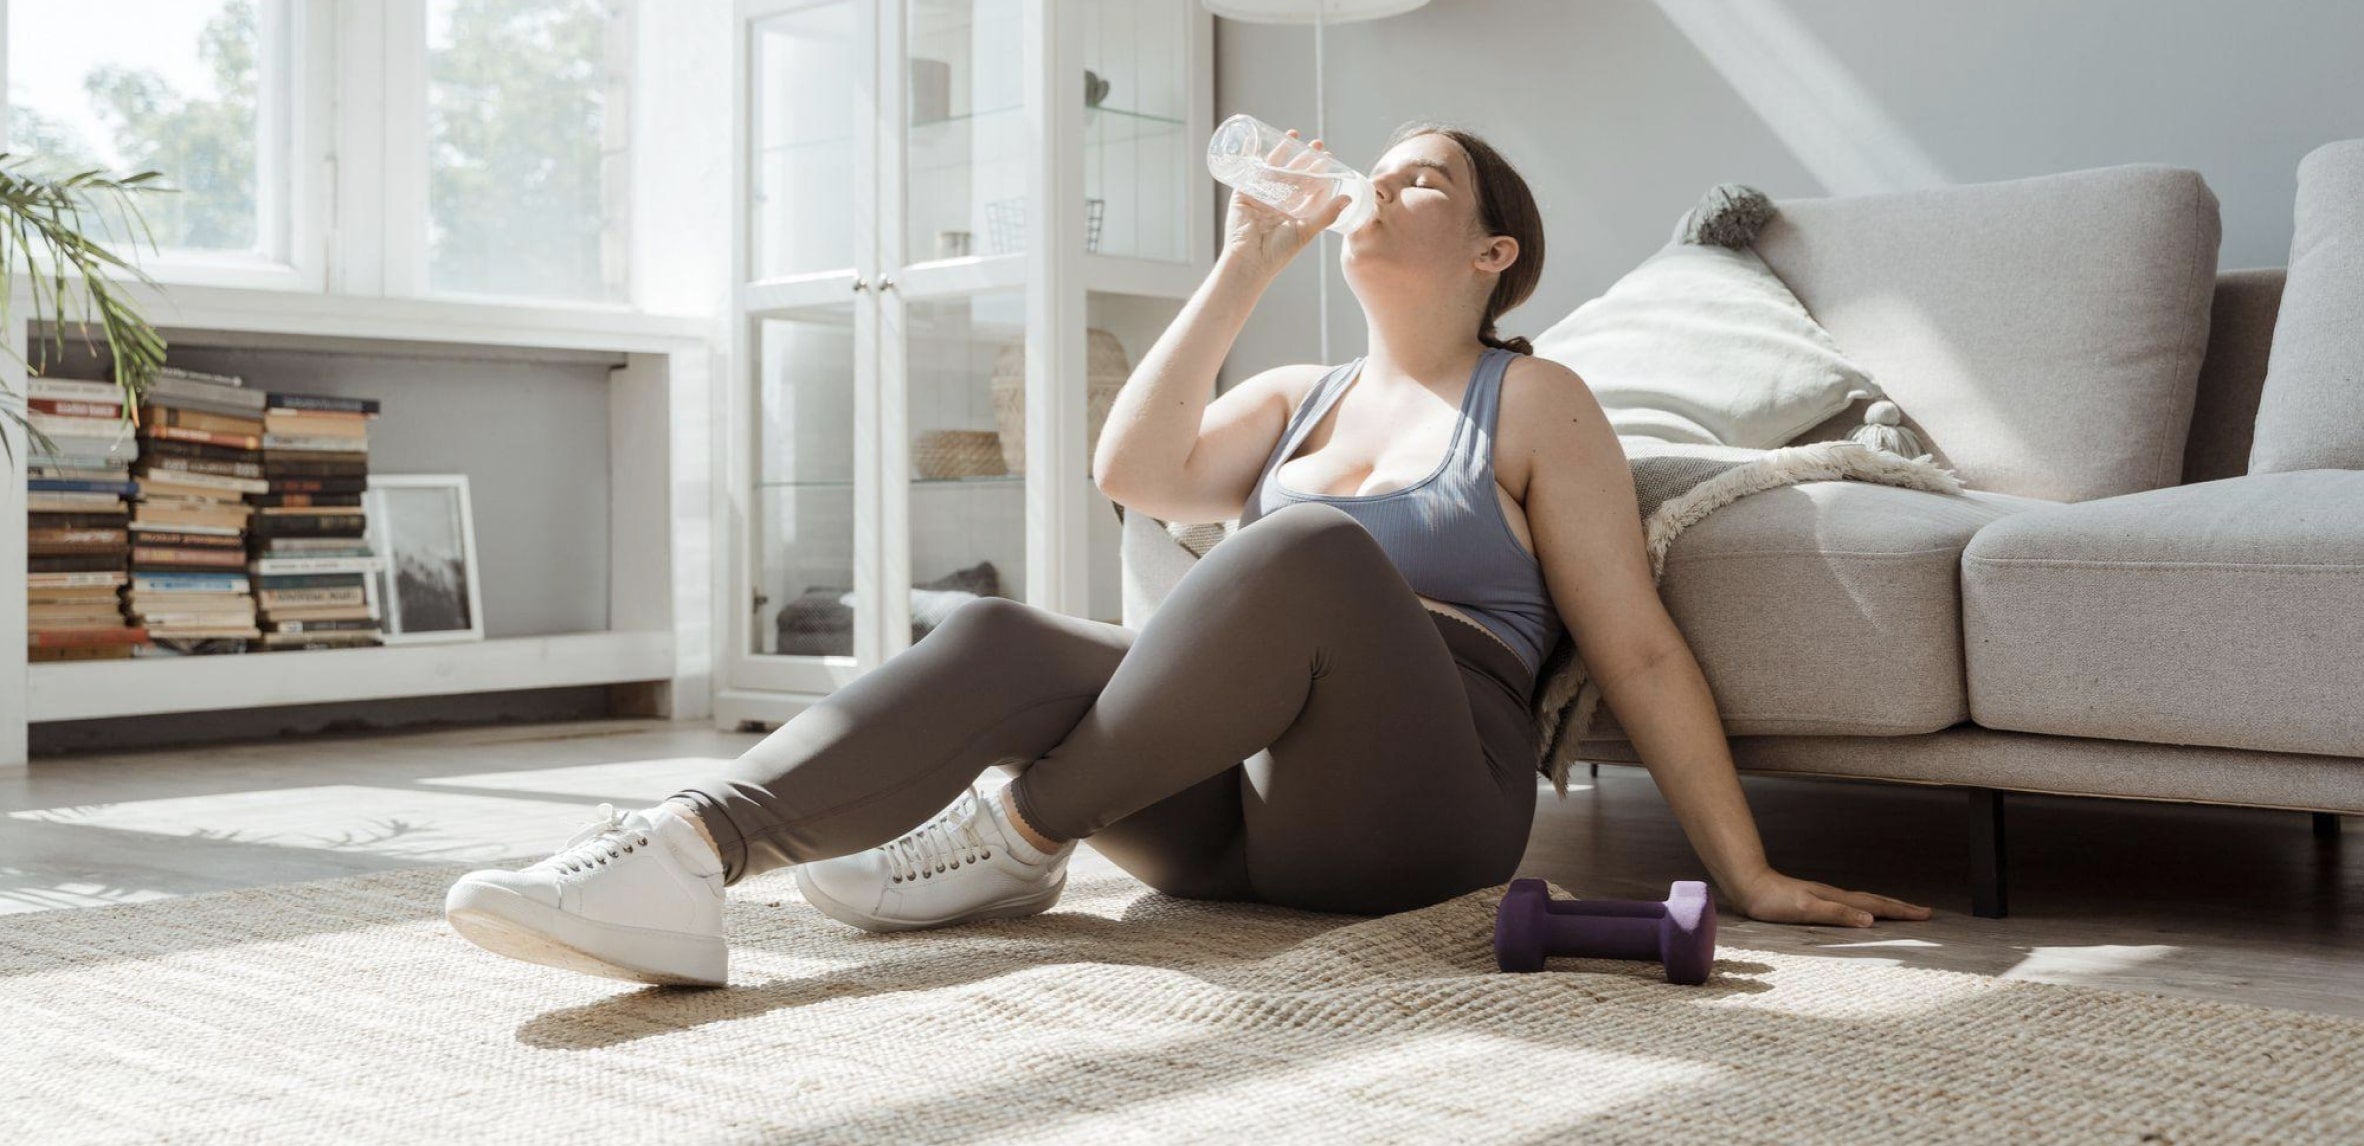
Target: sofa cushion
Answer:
[[2240, 331], [1828, 607], [2043, 335], [2311, 413], [2228, 613], [1703, 345]]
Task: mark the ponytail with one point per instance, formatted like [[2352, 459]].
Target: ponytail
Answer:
[[1516, 344]]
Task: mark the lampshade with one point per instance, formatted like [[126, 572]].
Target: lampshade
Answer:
[[1304, 11]]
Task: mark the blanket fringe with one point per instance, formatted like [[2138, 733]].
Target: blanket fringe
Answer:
[[1571, 698]]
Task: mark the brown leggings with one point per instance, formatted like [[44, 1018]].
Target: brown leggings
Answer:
[[1292, 726]]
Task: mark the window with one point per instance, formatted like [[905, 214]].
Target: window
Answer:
[[526, 130], [455, 148], [194, 89]]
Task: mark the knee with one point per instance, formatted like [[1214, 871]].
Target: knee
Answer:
[[1304, 532], [995, 620]]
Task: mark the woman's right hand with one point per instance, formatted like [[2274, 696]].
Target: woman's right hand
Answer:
[[1263, 238]]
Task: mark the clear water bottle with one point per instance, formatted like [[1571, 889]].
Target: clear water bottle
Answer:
[[1267, 164]]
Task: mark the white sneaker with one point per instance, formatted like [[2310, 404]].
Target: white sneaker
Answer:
[[637, 896], [967, 863]]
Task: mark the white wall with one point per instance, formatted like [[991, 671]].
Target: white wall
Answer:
[[1620, 112]]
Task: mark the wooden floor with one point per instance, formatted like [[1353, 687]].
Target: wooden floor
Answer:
[[2231, 904]]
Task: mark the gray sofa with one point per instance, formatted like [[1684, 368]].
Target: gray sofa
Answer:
[[2119, 608]]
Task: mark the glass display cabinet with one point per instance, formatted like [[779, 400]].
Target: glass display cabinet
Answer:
[[958, 223]]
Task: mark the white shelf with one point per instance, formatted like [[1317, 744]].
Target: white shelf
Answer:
[[83, 690]]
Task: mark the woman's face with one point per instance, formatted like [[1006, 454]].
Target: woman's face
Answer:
[[1425, 228]]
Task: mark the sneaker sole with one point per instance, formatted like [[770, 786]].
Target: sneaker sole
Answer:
[[506, 923], [847, 914]]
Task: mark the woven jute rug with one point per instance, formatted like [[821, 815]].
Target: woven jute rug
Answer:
[[346, 1011]]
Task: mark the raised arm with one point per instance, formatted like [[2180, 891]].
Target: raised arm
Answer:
[[1587, 526], [1166, 451], [1171, 452]]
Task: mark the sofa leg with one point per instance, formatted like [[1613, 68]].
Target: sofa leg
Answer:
[[2326, 826], [1596, 774], [1987, 871]]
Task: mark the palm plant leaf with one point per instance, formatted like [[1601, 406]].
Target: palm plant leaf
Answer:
[[73, 279]]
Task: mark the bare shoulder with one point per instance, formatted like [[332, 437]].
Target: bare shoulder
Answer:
[[1539, 383], [1548, 415], [1285, 385]]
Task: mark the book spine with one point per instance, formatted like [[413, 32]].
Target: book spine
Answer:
[[165, 390], [188, 582], [76, 407], [322, 402], [74, 389], [307, 598], [208, 377], [127, 635], [205, 466], [108, 579], [352, 485], [286, 582], [271, 501], [316, 443], [152, 522], [184, 555], [350, 625], [73, 563], [205, 437], [182, 480], [201, 420], [74, 485], [77, 536], [268, 565]]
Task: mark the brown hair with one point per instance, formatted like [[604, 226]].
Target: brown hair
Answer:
[[1505, 207]]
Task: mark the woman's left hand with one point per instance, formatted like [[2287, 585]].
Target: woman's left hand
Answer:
[[1777, 898]]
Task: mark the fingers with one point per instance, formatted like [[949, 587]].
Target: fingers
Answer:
[[1835, 913], [1329, 215], [1882, 906]]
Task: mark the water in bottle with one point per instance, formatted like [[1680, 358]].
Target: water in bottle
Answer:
[[1263, 162]]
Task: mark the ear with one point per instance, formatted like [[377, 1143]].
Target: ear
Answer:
[[1498, 254]]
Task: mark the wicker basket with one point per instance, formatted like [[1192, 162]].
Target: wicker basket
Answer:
[[1106, 369], [957, 454]]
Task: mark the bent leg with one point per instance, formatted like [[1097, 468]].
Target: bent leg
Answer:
[[1299, 635], [998, 680]]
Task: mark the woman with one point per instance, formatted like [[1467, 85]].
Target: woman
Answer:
[[1331, 710]]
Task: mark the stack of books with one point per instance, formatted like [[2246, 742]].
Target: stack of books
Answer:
[[76, 543], [200, 456], [312, 563]]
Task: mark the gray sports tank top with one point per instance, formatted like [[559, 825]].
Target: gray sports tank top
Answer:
[[1446, 533]]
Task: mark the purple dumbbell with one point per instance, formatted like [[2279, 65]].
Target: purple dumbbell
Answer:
[[1681, 932]]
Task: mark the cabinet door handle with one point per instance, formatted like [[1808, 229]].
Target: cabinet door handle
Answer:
[[886, 283], [860, 286]]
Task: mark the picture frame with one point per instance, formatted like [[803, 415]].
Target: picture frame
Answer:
[[427, 586]]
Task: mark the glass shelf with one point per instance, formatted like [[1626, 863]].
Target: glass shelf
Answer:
[[1102, 126], [1015, 481], [804, 120]]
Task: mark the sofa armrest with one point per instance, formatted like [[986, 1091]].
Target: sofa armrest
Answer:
[[1152, 560]]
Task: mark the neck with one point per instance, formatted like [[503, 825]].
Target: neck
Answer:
[[1414, 339]]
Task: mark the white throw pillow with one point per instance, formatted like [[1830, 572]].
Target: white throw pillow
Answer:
[[1704, 345]]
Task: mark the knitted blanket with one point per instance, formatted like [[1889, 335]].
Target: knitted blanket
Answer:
[[1676, 486]]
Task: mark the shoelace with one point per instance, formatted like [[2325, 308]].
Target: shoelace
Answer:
[[946, 842], [604, 839]]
